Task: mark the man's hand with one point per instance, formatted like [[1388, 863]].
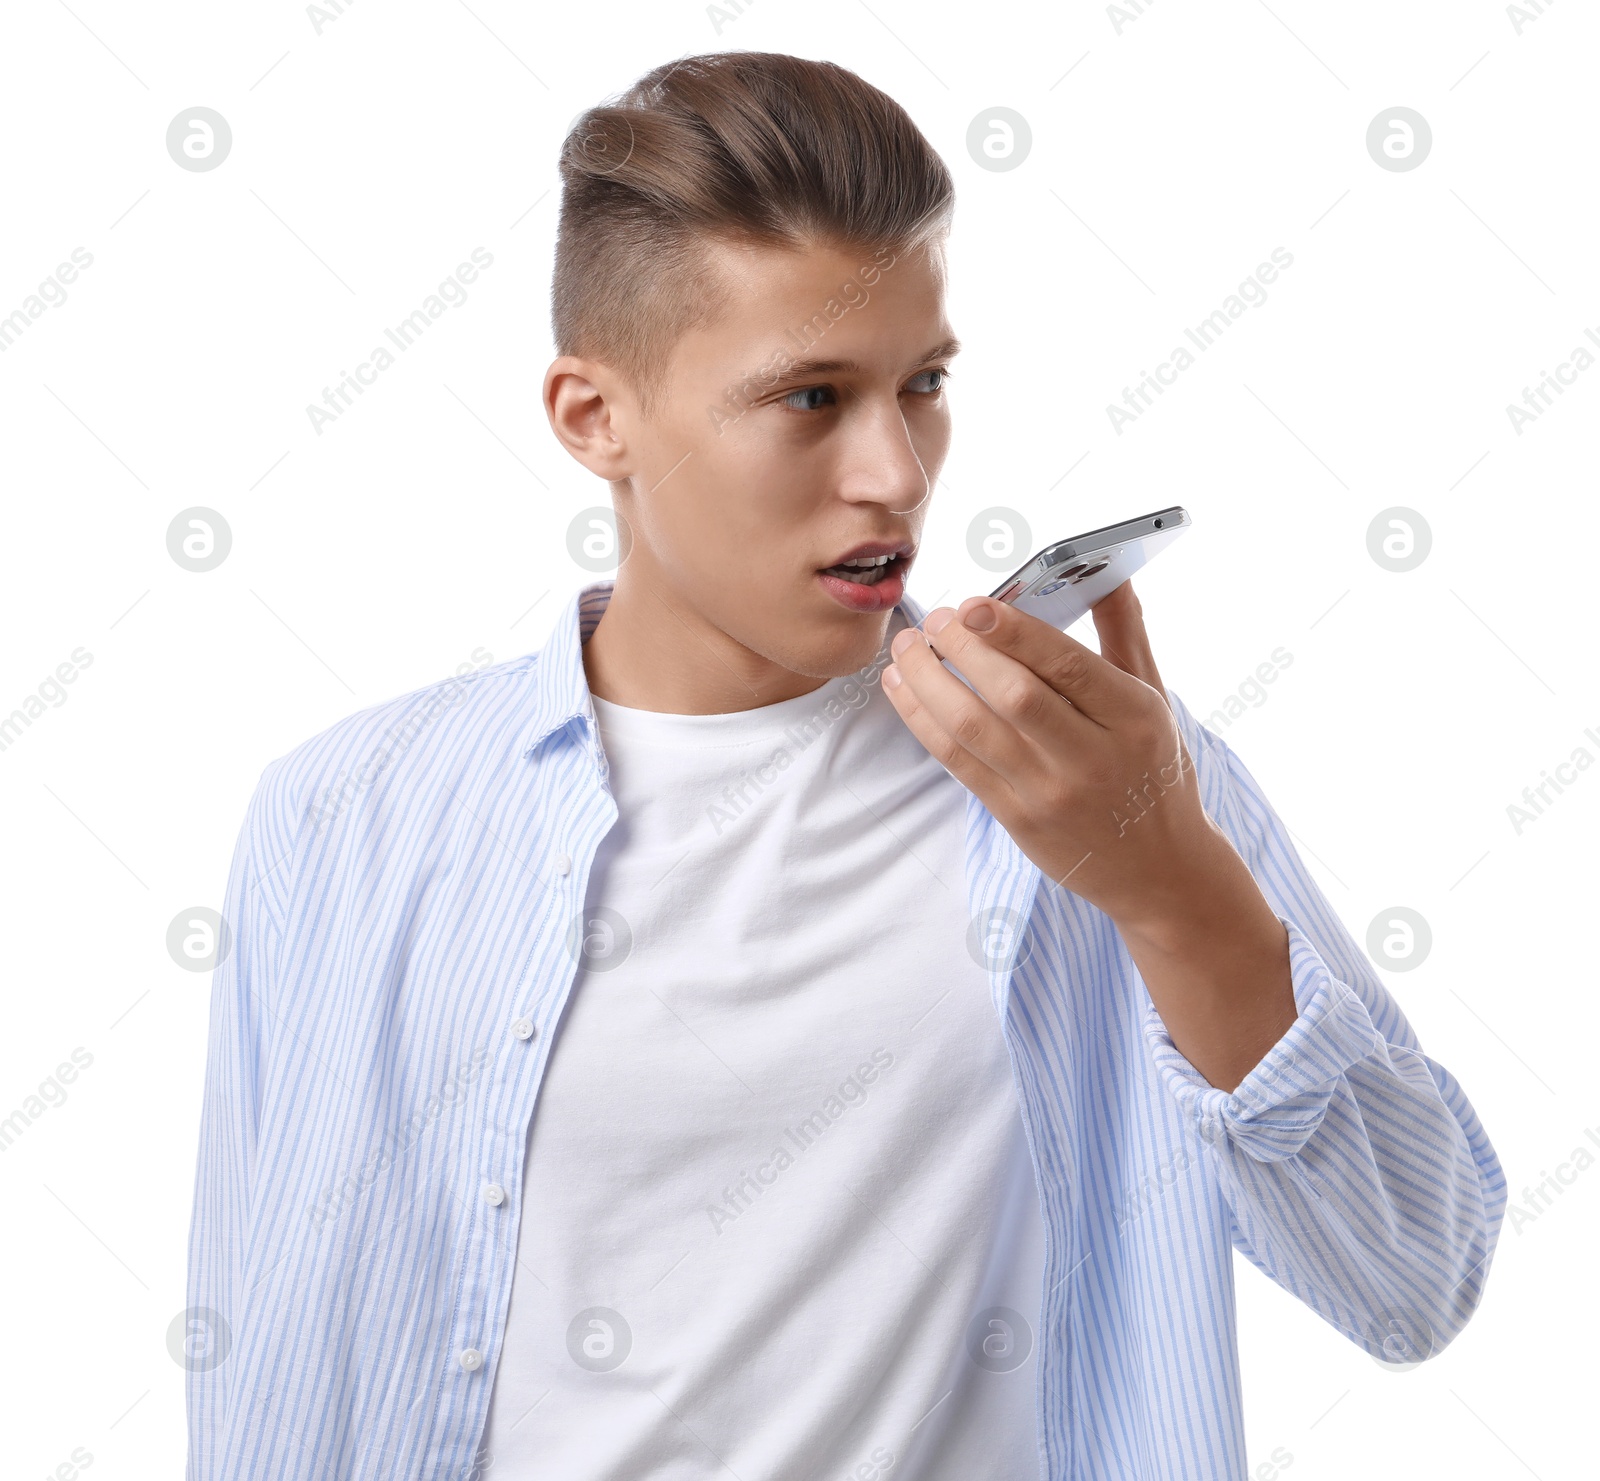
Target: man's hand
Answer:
[[1079, 758]]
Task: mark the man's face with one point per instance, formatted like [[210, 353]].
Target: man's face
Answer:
[[805, 427]]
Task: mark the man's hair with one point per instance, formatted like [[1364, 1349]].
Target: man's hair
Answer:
[[745, 148]]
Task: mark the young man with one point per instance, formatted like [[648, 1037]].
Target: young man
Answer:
[[676, 1052]]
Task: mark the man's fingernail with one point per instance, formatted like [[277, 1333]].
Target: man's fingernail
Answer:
[[902, 640], [937, 620], [980, 619]]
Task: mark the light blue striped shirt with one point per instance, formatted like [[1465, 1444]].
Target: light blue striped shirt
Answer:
[[404, 902]]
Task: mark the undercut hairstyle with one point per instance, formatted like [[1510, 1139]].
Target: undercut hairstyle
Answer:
[[739, 148]]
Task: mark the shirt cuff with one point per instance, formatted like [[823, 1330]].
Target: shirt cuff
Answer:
[[1273, 1111]]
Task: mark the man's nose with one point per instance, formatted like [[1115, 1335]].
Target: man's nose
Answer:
[[882, 464]]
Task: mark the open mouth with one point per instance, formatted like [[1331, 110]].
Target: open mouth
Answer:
[[868, 570]]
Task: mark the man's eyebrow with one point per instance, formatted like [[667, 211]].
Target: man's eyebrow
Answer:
[[813, 367], [946, 349]]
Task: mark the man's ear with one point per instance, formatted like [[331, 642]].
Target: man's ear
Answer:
[[582, 400]]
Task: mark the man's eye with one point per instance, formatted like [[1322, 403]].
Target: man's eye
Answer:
[[808, 392], [814, 398], [933, 390]]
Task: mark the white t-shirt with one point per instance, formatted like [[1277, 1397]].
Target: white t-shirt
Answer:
[[777, 1166]]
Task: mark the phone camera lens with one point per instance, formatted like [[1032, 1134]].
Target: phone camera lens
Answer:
[[1089, 571]]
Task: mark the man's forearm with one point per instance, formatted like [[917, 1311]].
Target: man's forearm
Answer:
[[1215, 959]]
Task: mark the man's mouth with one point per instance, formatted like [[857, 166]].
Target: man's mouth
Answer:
[[871, 580], [867, 570]]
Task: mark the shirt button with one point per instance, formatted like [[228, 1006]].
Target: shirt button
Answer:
[[563, 863], [471, 1359], [494, 1194], [523, 1028]]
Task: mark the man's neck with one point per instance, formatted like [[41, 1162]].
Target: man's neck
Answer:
[[652, 651]]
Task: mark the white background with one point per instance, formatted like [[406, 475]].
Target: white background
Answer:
[[430, 520]]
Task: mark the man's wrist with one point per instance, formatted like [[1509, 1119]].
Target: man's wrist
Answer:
[[1194, 907]]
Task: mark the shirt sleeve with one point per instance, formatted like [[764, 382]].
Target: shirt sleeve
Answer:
[[1359, 1177], [219, 1229]]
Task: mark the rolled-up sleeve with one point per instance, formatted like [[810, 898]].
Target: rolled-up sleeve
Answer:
[[1359, 1177]]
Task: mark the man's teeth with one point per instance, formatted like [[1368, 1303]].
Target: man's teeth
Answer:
[[865, 570]]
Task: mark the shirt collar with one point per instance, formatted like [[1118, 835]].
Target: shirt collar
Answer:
[[561, 688]]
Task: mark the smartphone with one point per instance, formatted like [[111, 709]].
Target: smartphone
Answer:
[[1064, 580]]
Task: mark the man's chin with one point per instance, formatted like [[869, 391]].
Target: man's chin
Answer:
[[802, 629], [841, 643]]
